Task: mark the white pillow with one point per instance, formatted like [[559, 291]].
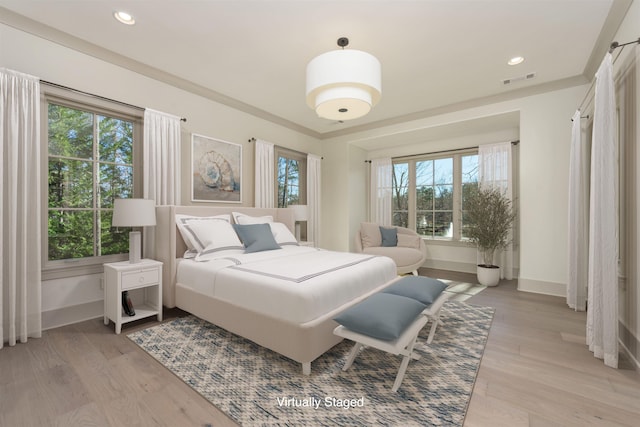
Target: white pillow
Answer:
[[208, 255], [219, 239], [370, 235], [282, 234], [185, 221], [214, 235], [189, 254], [240, 218], [409, 241]]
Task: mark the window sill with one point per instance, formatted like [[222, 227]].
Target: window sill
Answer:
[[77, 268], [448, 242]]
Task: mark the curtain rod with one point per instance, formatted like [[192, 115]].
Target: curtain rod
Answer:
[[516, 142], [582, 117], [615, 45], [252, 139], [93, 95]]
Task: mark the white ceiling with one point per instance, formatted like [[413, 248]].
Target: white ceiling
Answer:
[[252, 55]]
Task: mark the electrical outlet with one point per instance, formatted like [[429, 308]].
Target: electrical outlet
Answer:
[[101, 283]]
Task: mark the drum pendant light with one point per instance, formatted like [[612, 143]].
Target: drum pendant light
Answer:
[[343, 84]]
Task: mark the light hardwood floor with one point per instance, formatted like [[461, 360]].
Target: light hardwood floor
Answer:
[[536, 371]]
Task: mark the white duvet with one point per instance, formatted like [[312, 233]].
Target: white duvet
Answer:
[[295, 283]]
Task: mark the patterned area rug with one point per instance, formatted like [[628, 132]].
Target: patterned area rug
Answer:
[[256, 386]]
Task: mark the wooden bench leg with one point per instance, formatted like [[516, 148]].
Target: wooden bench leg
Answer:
[[306, 368], [432, 331], [436, 321], [408, 355], [352, 356]]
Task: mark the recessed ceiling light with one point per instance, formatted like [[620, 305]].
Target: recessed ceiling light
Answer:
[[124, 17], [516, 60]]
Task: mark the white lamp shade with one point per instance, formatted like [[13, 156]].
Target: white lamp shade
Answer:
[[343, 84], [300, 212], [133, 213]]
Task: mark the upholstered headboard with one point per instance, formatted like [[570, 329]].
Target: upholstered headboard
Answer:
[[169, 244]]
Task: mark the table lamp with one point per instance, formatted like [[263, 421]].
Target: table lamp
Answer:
[[134, 213], [300, 213]]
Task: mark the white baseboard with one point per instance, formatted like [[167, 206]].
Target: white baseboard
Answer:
[[629, 344], [541, 287], [73, 314], [627, 352], [462, 267]]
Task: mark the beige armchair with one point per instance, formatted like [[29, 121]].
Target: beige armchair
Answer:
[[409, 254]]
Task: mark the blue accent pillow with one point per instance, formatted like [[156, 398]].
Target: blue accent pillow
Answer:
[[381, 316], [423, 289], [256, 237], [389, 236]]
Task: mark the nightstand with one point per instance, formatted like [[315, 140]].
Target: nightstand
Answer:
[[305, 243], [143, 280]]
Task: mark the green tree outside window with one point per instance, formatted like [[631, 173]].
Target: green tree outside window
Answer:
[[90, 164]]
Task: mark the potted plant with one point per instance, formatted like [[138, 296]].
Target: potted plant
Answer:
[[488, 219]]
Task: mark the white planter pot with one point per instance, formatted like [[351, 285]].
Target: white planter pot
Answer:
[[488, 276]]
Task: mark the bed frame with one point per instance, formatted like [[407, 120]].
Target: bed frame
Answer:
[[302, 343]]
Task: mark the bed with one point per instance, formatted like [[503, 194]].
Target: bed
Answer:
[[282, 299]]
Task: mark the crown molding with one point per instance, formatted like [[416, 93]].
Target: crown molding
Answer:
[[53, 35]]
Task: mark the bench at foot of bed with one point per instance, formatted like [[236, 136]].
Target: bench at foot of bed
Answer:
[[391, 320]]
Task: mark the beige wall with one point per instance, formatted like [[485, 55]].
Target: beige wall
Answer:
[[78, 298], [52, 62], [544, 132], [335, 201]]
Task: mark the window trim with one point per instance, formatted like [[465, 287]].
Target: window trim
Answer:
[[457, 155], [69, 98], [302, 171]]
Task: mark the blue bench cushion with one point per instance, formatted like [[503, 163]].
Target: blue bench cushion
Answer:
[[382, 316], [423, 289]]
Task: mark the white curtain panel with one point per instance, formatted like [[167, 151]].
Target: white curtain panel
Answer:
[[602, 309], [161, 157], [495, 171], [20, 208], [381, 191], [264, 175], [160, 165], [602, 304], [578, 218], [314, 179]]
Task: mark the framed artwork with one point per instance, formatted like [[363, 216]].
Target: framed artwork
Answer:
[[216, 170]]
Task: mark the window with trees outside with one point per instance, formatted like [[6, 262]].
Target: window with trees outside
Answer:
[[429, 193], [91, 155], [291, 170]]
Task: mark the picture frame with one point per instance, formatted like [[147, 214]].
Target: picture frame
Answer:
[[216, 170]]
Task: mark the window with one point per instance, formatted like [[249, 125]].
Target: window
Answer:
[[91, 161], [434, 197], [291, 170], [400, 198], [469, 183], [429, 193]]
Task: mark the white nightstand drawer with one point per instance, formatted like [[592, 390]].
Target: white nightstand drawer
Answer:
[[140, 278]]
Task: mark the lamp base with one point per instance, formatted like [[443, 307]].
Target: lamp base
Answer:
[[135, 247]]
